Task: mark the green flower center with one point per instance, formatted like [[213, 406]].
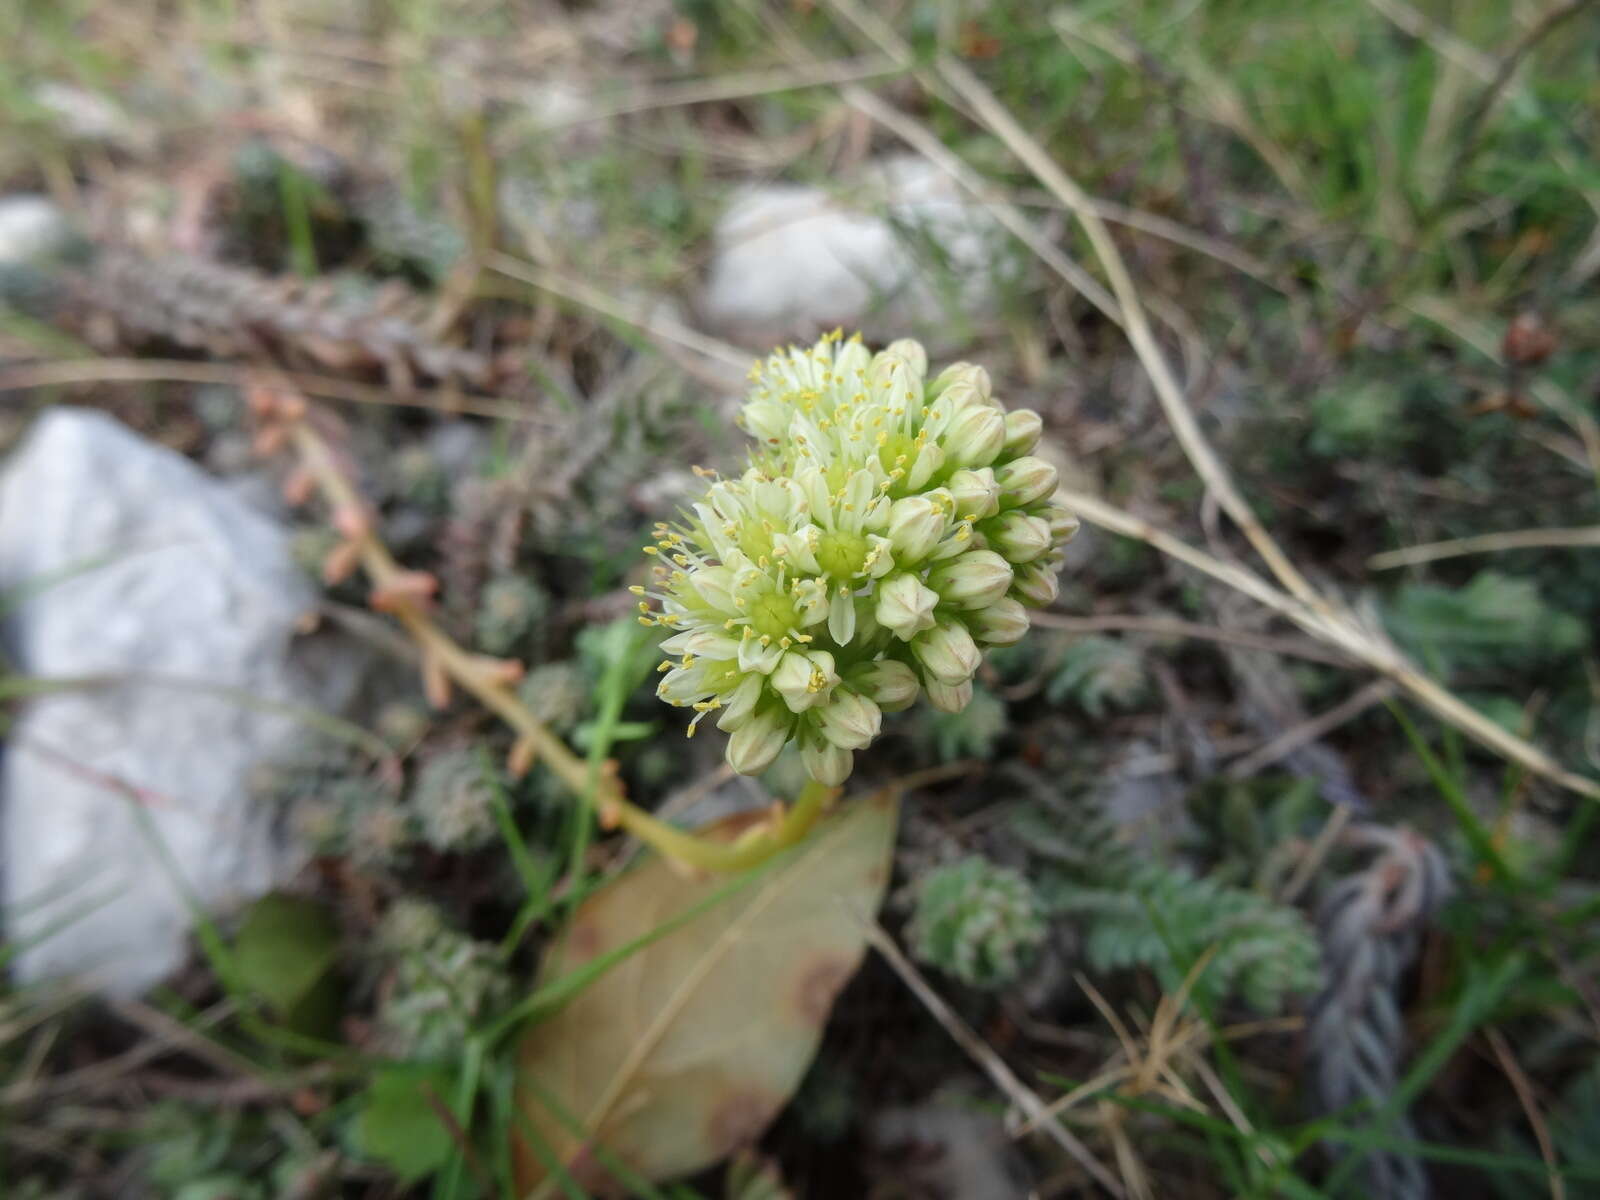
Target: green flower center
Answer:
[[774, 615], [755, 539], [723, 675], [897, 452], [842, 555]]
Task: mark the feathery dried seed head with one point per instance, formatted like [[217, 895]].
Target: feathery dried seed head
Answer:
[[887, 529]]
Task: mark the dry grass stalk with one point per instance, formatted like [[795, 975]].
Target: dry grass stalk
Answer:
[[983, 1054], [1486, 543]]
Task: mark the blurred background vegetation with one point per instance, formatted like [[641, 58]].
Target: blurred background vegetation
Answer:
[[1257, 926]]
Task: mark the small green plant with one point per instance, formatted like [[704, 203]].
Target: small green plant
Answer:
[[454, 800], [1493, 619], [442, 983], [978, 921], [1165, 918], [557, 693], [512, 607], [1360, 417], [1135, 910], [971, 733], [354, 817], [1097, 673]]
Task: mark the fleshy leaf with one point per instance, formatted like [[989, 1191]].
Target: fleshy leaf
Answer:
[[684, 1051]]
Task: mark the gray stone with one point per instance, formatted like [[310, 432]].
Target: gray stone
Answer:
[[902, 252], [125, 562], [31, 228]]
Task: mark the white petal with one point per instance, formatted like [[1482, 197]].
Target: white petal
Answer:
[[753, 656], [841, 617]]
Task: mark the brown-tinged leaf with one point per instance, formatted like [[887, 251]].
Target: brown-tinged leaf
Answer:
[[684, 1052]]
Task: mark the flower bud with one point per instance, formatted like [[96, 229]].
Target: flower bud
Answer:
[[828, 764], [972, 579], [757, 742], [959, 395], [949, 699], [927, 463], [962, 383], [1024, 480], [740, 704], [915, 526], [850, 720], [899, 367], [888, 683], [1020, 536], [798, 549], [911, 352], [867, 626], [805, 679], [850, 357], [976, 493], [1023, 428], [947, 652], [1000, 624], [767, 420], [1036, 583], [974, 436], [715, 585], [905, 606], [1063, 523], [759, 654]]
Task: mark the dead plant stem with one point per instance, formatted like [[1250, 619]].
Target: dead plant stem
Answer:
[[478, 677]]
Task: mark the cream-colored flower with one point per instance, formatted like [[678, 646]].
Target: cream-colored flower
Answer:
[[886, 528]]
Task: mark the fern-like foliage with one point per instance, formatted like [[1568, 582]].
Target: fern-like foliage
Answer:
[[1135, 911], [1098, 673], [970, 733], [1164, 918], [1493, 619], [978, 921]]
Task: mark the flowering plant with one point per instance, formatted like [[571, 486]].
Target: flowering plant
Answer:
[[887, 528]]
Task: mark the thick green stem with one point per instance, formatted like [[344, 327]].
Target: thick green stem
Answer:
[[739, 855]]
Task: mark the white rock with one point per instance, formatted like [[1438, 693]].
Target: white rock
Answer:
[[131, 562], [908, 253], [89, 116], [31, 228]]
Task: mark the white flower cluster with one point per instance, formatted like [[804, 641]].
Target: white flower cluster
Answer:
[[888, 527]]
